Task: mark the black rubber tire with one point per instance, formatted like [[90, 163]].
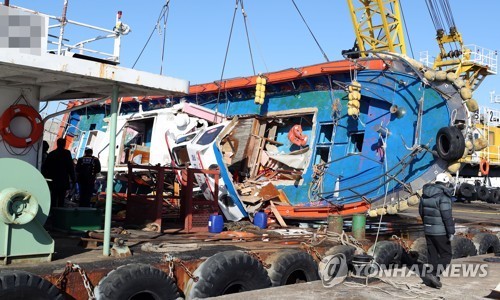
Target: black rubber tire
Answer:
[[462, 247], [483, 193], [493, 193], [496, 196], [450, 143], [290, 267], [20, 285], [226, 273], [466, 190], [387, 253], [418, 252], [136, 281], [486, 243], [347, 250]]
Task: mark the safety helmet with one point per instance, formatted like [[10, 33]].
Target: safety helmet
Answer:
[[443, 177]]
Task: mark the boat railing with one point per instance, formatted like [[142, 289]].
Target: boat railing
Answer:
[[481, 56], [61, 46]]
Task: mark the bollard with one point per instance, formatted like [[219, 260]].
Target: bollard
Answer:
[[358, 226], [335, 224]]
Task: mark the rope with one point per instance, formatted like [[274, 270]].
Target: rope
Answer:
[[310, 31], [225, 60], [345, 239], [414, 291], [162, 13], [406, 29], [246, 31], [165, 18], [168, 247]]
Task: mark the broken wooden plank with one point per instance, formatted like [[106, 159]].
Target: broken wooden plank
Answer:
[[269, 192], [283, 198], [277, 215]]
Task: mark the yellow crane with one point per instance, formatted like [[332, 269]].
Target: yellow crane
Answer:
[[378, 26]]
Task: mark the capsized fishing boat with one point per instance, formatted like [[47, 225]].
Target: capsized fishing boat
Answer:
[[333, 136]]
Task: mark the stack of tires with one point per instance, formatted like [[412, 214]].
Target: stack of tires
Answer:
[[467, 192]]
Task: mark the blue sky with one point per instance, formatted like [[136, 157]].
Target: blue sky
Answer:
[[197, 33]]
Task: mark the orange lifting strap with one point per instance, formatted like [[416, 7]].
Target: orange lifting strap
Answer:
[[25, 111]]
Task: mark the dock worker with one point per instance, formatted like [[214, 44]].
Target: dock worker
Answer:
[[59, 168], [439, 227], [87, 168]]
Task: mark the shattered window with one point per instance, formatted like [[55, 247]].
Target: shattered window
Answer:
[[209, 136], [356, 142]]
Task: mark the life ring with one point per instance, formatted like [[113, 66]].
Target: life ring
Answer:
[[25, 111], [462, 247], [226, 273], [136, 281], [291, 266], [450, 143], [484, 166], [486, 243], [296, 136], [386, 253], [17, 285]]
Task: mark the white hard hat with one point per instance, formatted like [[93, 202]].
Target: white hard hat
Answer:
[[443, 177]]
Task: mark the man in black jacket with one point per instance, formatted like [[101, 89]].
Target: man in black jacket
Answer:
[[59, 167], [439, 228], [87, 168]]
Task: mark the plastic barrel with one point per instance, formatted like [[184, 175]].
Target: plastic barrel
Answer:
[[260, 220], [215, 223]]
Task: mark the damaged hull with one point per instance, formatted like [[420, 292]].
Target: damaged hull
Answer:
[[385, 154]]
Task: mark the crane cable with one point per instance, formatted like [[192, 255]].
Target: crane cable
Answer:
[[225, 60], [246, 31], [406, 29], [310, 31], [162, 13], [165, 18]]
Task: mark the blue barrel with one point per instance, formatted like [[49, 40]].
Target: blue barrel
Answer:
[[260, 220], [215, 223]]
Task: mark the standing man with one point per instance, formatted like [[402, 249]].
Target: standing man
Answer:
[[87, 168], [439, 227], [59, 168]]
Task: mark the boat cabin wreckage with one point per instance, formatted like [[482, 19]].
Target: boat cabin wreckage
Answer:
[[246, 158]]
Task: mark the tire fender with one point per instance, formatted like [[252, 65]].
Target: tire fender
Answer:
[[131, 280], [227, 272], [20, 285], [466, 190], [462, 247], [386, 253], [483, 193], [450, 143], [347, 250], [418, 252], [486, 243], [291, 266]]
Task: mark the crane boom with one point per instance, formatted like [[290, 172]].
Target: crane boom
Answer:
[[377, 25]]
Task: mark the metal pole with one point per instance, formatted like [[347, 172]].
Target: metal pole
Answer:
[[358, 226], [63, 23], [111, 170]]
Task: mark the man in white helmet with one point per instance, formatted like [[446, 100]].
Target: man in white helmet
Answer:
[[439, 227]]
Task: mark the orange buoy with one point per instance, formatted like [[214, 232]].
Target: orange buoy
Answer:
[[296, 136], [484, 166], [27, 112]]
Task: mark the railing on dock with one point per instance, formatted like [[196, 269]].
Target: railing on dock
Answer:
[[164, 188]]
